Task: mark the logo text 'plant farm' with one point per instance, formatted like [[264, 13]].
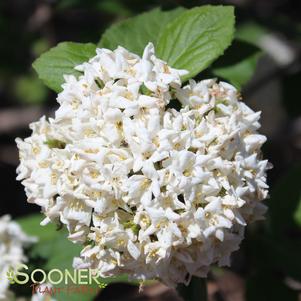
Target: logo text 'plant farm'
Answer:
[[55, 276]]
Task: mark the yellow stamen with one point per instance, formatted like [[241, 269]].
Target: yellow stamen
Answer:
[[119, 125], [207, 214], [44, 164], [94, 174], [153, 253], [166, 69], [36, 150], [145, 183], [89, 133], [187, 173], [92, 151], [54, 178], [128, 95]]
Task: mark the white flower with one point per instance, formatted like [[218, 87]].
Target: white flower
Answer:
[[12, 243], [152, 192]]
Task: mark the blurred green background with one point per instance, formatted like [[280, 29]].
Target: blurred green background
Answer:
[[268, 266]]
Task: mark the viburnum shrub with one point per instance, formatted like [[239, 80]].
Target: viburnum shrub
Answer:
[[157, 177]]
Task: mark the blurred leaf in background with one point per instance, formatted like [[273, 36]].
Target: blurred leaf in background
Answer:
[[30, 90], [238, 64], [274, 252], [297, 215], [266, 286], [115, 7], [250, 32]]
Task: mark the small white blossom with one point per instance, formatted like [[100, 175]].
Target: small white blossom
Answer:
[[152, 192], [12, 243]]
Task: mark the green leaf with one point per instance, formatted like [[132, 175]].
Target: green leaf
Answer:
[[52, 245], [31, 226], [114, 7], [30, 90], [284, 257], [272, 260], [193, 40], [251, 32], [238, 64], [282, 226], [60, 60], [239, 74], [136, 32]]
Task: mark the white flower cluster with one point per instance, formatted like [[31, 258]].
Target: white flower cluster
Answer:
[[151, 191], [12, 243]]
